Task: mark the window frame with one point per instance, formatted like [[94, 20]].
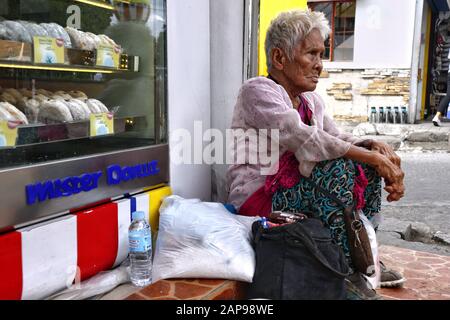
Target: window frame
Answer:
[[332, 24]]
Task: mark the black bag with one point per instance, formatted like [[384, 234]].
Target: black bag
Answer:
[[297, 261], [358, 239]]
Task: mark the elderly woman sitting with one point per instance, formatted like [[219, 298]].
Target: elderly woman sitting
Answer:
[[309, 139]]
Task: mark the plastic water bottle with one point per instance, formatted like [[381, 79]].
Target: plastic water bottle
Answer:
[[373, 115], [388, 116], [403, 115], [396, 114], [140, 246], [380, 115]]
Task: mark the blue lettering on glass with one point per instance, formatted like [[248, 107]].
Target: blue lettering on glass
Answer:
[[61, 187], [66, 187], [116, 174], [113, 174]]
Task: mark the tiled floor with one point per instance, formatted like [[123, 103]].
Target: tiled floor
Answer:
[[428, 278], [192, 289], [427, 275]]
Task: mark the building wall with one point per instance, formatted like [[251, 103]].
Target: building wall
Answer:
[[205, 65], [227, 50], [188, 49], [381, 67], [350, 94], [269, 9], [384, 32]]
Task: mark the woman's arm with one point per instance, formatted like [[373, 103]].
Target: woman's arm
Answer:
[[392, 174], [330, 126], [262, 104], [382, 148]]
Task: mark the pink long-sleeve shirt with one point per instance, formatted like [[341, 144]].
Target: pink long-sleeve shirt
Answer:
[[263, 104]]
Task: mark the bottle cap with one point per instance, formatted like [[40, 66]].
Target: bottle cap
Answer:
[[138, 215]]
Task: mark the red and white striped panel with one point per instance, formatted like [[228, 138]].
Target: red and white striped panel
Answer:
[[11, 266], [142, 204], [38, 261], [97, 234], [49, 257], [123, 222]]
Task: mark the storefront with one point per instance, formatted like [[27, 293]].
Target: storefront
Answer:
[[67, 192], [83, 135], [90, 112], [436, 27]]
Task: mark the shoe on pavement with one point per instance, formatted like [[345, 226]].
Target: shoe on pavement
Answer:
[[436, 121], [358, 289], [390, 278]]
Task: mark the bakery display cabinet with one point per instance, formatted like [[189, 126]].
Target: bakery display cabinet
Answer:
[[83, 115]]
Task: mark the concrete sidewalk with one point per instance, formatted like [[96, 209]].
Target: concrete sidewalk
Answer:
[[403, 137]]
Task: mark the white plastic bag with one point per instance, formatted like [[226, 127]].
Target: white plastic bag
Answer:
[[202, 240], [374, 280], [103, 282]]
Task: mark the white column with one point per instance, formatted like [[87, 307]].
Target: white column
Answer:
[[227, 52], [188, 53]]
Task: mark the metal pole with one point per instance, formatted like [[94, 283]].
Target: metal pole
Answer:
[[251, 22], [415, 61]]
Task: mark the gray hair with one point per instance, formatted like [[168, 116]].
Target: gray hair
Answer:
[[289, 28]]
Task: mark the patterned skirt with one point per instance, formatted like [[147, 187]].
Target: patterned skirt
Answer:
[[336, 176]]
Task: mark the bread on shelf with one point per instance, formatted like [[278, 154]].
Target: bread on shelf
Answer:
[[4, 114], [54, 111], [78, 94], [14, 112], [7, 97], [82, 106], [30, 107], [96, 106]]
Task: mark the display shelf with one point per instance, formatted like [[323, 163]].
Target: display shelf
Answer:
[[101, 4], [59, 67], [20, 56], [97, 3], [43, 133]]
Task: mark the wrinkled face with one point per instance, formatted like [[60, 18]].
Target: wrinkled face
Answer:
[[304, 71]]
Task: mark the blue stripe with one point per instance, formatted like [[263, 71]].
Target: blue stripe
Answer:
[[133, 204]]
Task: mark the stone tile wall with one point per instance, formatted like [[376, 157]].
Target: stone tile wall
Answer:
[[349, 94]]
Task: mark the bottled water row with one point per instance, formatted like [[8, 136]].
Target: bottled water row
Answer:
[[397, 114]]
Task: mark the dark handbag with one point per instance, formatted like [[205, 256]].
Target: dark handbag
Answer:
[[297, 261], [359, 243]]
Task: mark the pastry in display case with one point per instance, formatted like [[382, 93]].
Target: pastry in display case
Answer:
[[96, 74], [79, 78]]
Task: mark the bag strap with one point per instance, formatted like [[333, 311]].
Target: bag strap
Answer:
[[331, 196], [328, 194], [309, 243]]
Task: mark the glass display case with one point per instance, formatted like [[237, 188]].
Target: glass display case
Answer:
[[83, 112]]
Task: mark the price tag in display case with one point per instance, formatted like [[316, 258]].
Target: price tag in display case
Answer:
[[48, 50], [8, 133], [101, 124], [108, 56]]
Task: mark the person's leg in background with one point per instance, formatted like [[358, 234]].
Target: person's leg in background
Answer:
[[442, 105], [336, 176]]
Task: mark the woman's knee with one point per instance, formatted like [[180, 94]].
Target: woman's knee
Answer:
[[341, 171], [339, 165], [337, 177]]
